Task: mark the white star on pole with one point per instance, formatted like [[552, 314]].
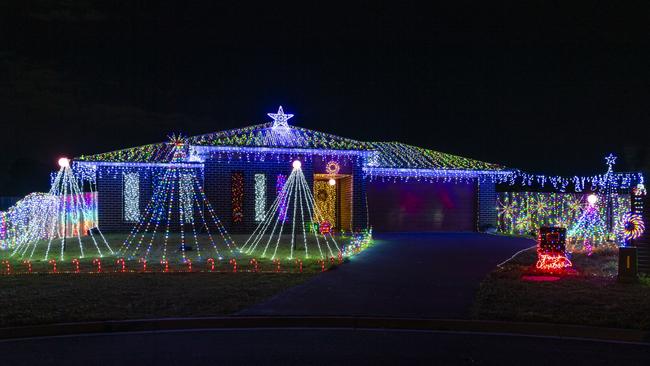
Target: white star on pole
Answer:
[[280, 119]]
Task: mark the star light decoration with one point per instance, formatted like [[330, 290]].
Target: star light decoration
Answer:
[[280, 120], [611, 161]]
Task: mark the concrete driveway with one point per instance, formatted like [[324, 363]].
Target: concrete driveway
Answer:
[[424, 275]]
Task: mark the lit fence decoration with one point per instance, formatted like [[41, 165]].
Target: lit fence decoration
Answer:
[[51, 218]]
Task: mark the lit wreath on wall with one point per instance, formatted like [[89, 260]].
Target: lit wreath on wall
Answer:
[[332, 168]]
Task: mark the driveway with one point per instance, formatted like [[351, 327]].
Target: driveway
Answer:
[[424, 275]]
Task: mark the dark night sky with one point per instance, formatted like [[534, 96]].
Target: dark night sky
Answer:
[[544, 88]]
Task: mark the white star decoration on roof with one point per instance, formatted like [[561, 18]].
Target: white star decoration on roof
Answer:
[[280, 119], [610, 159]]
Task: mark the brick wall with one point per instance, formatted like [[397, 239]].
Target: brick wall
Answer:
[[110, 199], [487, 204], [218, 189], [359, 207], [217, 180]]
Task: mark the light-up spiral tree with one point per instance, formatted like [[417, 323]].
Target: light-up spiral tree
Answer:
[[55, 219], [292, 224], [178, 214]]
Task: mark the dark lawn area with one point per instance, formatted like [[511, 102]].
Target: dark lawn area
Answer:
[[592, 297], [42, 299]]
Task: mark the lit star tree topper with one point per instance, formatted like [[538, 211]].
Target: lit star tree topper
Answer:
[[280, 119], [178, 141], [610, 160]]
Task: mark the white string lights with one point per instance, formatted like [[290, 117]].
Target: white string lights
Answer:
[[131, 195], [298, 214], [178, 205], [260, 197], [53, 218]]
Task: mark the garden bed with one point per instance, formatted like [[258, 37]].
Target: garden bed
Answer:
[[590, 296]]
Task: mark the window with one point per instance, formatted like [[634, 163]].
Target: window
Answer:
[[282, 206], [237, 185], [260, 197], [131, 194], [187, 197]]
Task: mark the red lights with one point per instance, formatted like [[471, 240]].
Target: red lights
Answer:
[[165, 265], [75, 265], [98, 264], [52, 262], [255, 265], [299, 265], [122, 265]]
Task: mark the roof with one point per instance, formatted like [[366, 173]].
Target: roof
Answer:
[[265, 135], [387, 154], [399, 155]]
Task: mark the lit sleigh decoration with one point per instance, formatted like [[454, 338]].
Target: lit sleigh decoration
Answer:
[[632, 226]]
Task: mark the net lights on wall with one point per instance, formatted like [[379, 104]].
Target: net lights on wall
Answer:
[[131, 194], [260, 197], [237, 182]]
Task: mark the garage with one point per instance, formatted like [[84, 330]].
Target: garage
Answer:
[[421, 206]]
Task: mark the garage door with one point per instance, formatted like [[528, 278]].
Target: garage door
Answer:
[[419, 206]]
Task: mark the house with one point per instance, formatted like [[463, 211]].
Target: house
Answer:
[[390, 186]]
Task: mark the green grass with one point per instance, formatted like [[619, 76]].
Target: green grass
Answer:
[[44, 299], [198, 255], [41, 297], [592, 297]]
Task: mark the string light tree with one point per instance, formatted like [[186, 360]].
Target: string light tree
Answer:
[[180, 212], [293, 212], [590, 229], [62, 215]]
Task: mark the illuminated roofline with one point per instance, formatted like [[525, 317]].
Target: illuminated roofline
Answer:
[[278, 150], [426, 173], [140, 165]]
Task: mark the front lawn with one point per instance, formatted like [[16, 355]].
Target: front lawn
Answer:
[[45, 298], [31, 293], [590, 297]]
